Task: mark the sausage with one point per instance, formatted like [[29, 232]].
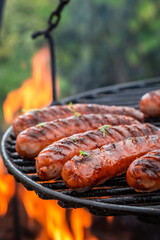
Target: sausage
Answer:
[[150, 104], [144, 173], [32, 140], [50, 160], [35, 117], [84, 172]]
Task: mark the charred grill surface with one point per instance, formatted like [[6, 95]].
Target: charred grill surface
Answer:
[[114, 197]]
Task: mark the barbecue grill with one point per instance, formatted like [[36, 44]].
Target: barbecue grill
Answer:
[[112, 198]]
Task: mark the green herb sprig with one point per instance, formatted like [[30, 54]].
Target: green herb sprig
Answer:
[[41, 124], [70, 107], [103, 129], [83, 153], [73, 139], [129, 138]]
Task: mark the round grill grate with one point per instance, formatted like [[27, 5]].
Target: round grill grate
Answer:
[[114, 197]]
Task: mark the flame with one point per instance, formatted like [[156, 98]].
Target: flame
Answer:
[[6, 188], [81, 219], [53, 218], [48, 214], [35, 92]]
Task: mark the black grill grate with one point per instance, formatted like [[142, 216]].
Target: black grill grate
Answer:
[[114, 197]]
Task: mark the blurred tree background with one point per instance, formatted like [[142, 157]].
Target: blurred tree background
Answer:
[[98, 42]]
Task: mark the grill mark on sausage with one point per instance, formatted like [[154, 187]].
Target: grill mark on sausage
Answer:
[[32, 116], [146, 130], [152, 127], [122, 131], [35, 134], [58, 148], [92, 108], [114, 133], [134, 132], [149, 164], [63, 110], [89, 121], [115, 121], [120, 121]]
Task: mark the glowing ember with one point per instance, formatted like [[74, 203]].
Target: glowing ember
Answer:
[[6, 188], [35, 92], [109, 219]]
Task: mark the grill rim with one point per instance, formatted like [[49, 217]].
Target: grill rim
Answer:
[[147, 211], [107, 208]]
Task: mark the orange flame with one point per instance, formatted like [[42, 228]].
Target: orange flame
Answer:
[[81, 219], [35, 92], [53, 218], [6, 188], [49, 215]]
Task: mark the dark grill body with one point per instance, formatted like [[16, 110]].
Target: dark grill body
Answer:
[[118, 197]]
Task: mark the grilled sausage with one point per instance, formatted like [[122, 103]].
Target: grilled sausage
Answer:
[[84, 172], [50, 161], [150, 104], [32, 140], [35, 117], [144, 173]]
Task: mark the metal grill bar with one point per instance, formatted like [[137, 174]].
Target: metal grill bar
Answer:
[[21, 162], [101, 192], [140, 199], [111, 198]]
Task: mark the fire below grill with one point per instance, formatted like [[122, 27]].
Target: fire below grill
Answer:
[[112, 198]]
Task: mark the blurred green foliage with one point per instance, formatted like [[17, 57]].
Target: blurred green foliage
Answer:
[[98, 42]]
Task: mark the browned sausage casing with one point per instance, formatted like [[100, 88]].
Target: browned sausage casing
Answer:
[[60, 112], [32, 140], [84, 172], [144, 173], [50, 161], [150, 104]]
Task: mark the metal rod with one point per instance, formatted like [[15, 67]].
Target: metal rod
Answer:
[[53, 65], [2, 3], [53, 22]]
